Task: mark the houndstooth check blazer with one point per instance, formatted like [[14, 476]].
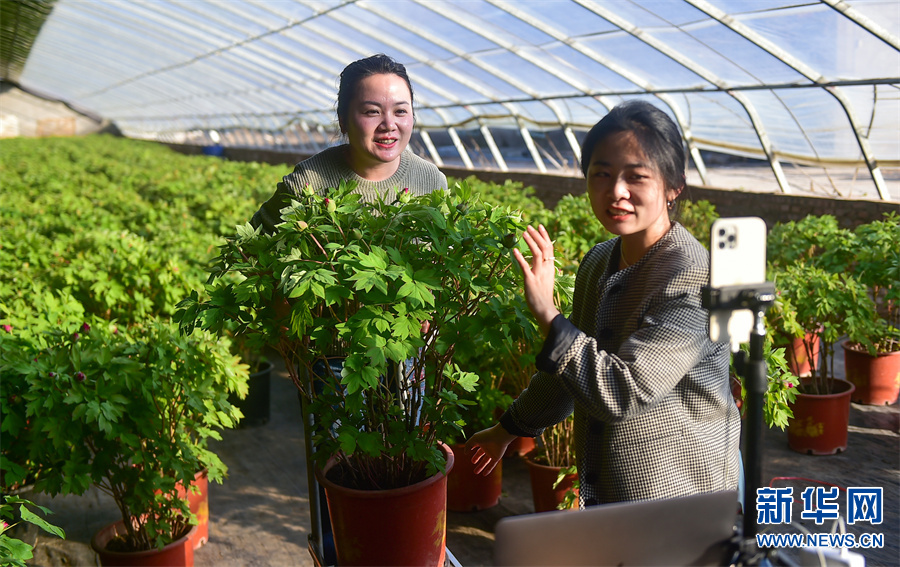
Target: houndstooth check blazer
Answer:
[[654, 416]]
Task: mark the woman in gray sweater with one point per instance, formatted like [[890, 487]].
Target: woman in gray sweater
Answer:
[[375, 115], [654, 416]]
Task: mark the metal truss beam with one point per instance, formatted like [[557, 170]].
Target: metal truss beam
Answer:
[[604, 12], [810, 74], [620, 70]]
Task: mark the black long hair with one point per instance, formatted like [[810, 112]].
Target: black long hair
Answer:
[[658, 135]]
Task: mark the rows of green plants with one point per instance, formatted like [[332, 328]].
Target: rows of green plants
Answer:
[[101, 238], [572, 224], [125, 227], [104, 237], [834, 282]]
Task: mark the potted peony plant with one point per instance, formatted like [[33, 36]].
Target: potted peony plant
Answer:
[[814, 240], [552, 469], [824, 306], [127, 411], [551, 464], [362, 279], [481, 354], [873, 363], [496, 355], [781, 388]]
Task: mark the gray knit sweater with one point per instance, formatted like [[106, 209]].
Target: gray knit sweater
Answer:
[[328, 168]]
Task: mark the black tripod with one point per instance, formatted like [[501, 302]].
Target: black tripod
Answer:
[[752, 368]]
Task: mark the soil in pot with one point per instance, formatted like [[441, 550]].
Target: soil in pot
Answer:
[[820, 422], [876, 378]]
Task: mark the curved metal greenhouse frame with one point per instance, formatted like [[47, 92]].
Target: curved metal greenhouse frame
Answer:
[[803, 85]]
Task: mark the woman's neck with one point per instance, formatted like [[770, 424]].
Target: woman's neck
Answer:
[[632, 247], [372, 170]]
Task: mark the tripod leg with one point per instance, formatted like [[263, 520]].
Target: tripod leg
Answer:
[[756, 385]]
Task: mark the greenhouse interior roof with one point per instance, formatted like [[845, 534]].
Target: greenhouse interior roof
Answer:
[[795, 83]]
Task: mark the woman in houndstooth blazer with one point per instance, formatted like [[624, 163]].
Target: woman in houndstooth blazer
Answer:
[[654, 416]]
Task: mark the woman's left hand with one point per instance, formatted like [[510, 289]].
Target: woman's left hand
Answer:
[[487, 447], [540, 276]]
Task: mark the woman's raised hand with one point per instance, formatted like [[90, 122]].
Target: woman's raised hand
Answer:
[[487, 448], [539, 276]]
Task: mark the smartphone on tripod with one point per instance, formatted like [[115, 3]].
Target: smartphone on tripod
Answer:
[[737, 257]]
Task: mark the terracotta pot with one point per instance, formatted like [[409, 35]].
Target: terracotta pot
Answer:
[[545, 497], [199, 504], [798, 360], [179, 553], [255, 406], [402, 526], [521, 446], [736, 393], [877, 378], [470, 492], [819, 425]]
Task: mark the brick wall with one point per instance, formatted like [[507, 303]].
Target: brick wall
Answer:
[[771, 207]]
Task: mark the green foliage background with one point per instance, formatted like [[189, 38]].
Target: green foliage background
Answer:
[[121, 230], [126, 227]]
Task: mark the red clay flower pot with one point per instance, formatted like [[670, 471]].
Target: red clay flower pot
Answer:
[[546, 498], [179, 553], [819, 425], [470, 492], [199, 504], [736, 393], [877, 378], [798, 360], [520, 447], [402, 526]]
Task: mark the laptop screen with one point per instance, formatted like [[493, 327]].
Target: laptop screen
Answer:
[[693, 530]]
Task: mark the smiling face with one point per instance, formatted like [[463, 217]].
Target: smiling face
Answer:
[[378, 125], [627, 193]]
